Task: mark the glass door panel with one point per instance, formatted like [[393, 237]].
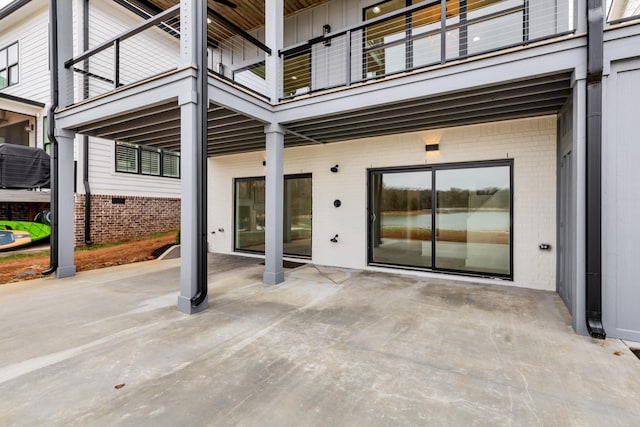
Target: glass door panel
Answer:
[[250, 199], [400, 227], [473, 219], [297, 216], [250, 215]]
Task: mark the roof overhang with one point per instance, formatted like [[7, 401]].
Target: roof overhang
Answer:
[[20, 105], [12, 7]]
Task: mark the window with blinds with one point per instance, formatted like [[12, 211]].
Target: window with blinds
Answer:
[[126, 158], [171, 165], [131, 158], [150, 161]]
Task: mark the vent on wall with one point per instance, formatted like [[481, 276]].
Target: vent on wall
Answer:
[[117, 200]]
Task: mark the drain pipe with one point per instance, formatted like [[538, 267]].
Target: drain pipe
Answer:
[[87, 191], [85, 139], [593, 291], [203, 87], [53, 49]]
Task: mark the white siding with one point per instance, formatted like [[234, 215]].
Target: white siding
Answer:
[[144, 55], [531, 143], [105, 180], [33, 39]]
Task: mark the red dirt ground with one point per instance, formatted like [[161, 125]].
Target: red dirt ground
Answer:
[[26, 268]]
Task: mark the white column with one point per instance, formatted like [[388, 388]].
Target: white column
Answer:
[[63, 195], [273, 272], [65, 204], [192, 255], [274, 30]]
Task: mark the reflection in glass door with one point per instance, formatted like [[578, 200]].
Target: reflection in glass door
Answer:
[[250, 215], [473, 219], [468, 205], [401, 218]]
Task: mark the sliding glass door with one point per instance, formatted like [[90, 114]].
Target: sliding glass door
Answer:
[[250, 215], [401, 219], [468, 205]]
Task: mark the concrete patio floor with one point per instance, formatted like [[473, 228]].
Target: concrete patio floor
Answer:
[[327, 347]]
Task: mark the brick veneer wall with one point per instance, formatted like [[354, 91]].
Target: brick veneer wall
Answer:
[[137, 216]]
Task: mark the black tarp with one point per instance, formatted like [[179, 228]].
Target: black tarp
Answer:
[[23, 167]]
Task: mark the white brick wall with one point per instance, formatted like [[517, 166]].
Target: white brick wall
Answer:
[[530, 142]]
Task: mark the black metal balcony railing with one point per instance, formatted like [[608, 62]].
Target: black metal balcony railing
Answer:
[[426, 34], [429, 33], [143, 51]]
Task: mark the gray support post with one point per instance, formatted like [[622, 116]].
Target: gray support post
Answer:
[[273, 271], [63, 164], [193, 277], [65, 204], [579, 145], [274, 38]]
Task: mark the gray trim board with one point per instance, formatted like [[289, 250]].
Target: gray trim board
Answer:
[[12, 7], [24, 101]]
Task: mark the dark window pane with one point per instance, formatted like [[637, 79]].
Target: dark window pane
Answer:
[[297, 75], [126, 158], [150, 162], [12, 54], [297, 216], [401, 224], [473, 219], [13, 75], [250, 215], [171, 165], [250, 220]]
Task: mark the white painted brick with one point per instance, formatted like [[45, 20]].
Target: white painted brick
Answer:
[[530, 142]]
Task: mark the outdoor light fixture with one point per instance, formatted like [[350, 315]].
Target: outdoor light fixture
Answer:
[[376, 9], [264, 163], [334, 239], [334, 169], [326, 29], [432, 147]]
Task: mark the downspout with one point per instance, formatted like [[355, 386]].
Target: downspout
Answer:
[[593, 291], [53, 49], [85, 139], [202, 87]]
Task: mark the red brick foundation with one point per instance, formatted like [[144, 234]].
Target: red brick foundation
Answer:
[[115, 218]]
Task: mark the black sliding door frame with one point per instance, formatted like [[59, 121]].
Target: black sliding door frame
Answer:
[[235, 212], [434, 208]]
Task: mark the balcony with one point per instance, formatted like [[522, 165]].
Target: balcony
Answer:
[[389, 39]]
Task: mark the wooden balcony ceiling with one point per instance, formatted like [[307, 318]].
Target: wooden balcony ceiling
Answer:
[[248, 14]]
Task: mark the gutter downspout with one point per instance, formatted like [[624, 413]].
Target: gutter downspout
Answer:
[[53, 48], [593, 289], [85, 139], [201, 204]]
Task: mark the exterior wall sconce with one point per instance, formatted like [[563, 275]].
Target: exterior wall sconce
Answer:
[[29, 127], [334, 169], [334, 239], [432, 147], [337, 203], [326, 29], [264, 163]]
